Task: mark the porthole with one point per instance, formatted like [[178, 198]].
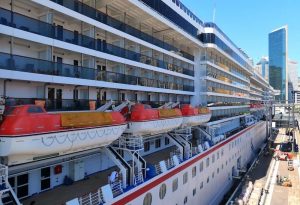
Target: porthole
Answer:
[[148, 199], [162, 191], [194, 191]]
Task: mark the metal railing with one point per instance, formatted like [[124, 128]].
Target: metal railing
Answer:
[[32, 65], [110, 21]]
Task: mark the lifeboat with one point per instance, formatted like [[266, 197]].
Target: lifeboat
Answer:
[[144, 120], [30, 133], [256, 107], [194, 116]]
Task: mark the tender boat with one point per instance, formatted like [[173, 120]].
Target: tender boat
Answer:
[[28, 132], [144, 120], [194, 116]]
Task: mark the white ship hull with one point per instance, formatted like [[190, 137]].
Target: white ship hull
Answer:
[[154, 126], [195, 120], [25, 149], [236, 149]]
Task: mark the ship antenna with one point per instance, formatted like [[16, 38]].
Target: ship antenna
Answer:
[[214, 12]]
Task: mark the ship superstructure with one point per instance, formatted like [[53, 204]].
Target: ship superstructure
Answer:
[[141, 91]]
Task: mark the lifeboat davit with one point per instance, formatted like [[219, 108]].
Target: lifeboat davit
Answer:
[[144, 120], [29, 133], [194, 116]]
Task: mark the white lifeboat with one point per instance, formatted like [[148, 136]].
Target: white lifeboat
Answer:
[[194, 116], [144, 120], [29, 133]]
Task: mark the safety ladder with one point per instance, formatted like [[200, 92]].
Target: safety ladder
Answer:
[[5, 187]]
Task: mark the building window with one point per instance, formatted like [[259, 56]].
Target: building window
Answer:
[[201, 166], [207, 162], [201, 185], [162, 191], [194, 172], [157, 143], [167, 141], [185, 178], [148, 199], [175, 184], [146, 146], [194, 191]]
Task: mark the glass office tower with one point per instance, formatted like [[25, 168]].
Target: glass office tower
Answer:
[[278, 52]]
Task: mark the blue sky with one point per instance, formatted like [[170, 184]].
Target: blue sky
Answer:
[[248, 22]]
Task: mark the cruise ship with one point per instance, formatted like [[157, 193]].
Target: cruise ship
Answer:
[[123, 102]]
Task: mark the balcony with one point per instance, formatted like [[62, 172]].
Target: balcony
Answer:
[[28, 24], [32, 65], [74, 104], [97, 15]]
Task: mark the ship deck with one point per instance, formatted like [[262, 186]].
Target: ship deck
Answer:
[[91, 184], [60, 195]]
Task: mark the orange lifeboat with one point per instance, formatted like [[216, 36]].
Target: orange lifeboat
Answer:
[[194, 116], [144, 120], [28, 132]]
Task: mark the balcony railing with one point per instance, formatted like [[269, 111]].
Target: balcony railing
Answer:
[[32, 65], [74, 104], [97, 15], [28, 24]]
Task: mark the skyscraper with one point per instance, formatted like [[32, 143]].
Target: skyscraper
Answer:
[[278, 54], [263, 68], [292, 79]]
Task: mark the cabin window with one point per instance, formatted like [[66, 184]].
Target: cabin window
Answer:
[[207, 180], [167, 141], [201, 166], [162, 191], [218, 155], [213, 158], [146, 146], [157, 143], [185, 178], [222, 152], [175, 184], [185, 200], [213, 175], [35, 109], [207, 162], [201, 185], [194, 191], [148, 199], [218, 171], [194, 172]]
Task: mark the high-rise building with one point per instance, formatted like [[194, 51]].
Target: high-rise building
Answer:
[[292, 80], [297, 94], [263, 67], [278, 55]]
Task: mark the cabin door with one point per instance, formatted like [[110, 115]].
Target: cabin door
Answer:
[[45, 178]]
